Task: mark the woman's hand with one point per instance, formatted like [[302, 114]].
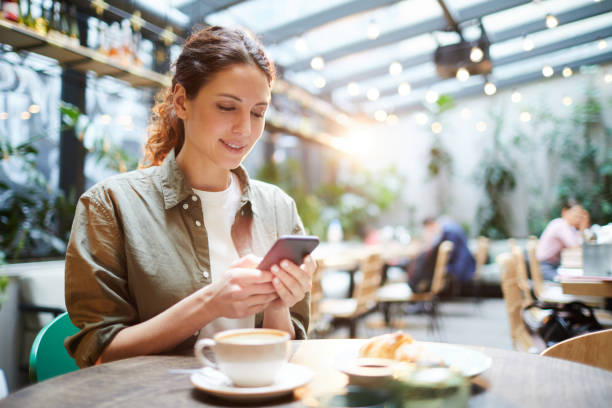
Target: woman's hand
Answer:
[[292, 282], [243, 290]]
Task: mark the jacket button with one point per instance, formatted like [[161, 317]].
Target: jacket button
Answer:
[[185, 206], [198, 223], [205, 274], [194, 198]]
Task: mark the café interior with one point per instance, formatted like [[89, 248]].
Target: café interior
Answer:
[[452, 157]]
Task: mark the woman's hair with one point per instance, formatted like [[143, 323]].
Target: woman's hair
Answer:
[[206, 52]]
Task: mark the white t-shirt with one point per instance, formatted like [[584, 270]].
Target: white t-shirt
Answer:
[[219, 210]]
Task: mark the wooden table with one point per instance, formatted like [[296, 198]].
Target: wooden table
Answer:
[[587, 286], [514, 380]]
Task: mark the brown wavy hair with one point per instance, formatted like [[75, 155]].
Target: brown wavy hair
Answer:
[[205, 53]]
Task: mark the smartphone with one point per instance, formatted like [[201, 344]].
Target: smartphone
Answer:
[[291, 247]]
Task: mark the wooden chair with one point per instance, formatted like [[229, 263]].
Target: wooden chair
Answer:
[[316, 296], [521, 275], [521, 338], [350, 310], [593, 349], [400, 292], [480, 256]]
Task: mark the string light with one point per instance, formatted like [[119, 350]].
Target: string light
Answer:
[[421, 118], [353, 89], [567, 72], [431, 96], [516, 97], [395, 68], [476, 54], [490, 88], [548, 71], [373, 30], [301, 45], [106, 119], [551, 21], [608, 78], [463, 74], [99, 6], [317, 63], [436, 127], [319, 82], [528, 44], [342, 119], [601, 44], [25, 115], [372, 94], [137, 21], [404, 88], [466, 113], [168, 36], [525, 116], [34, 108], [380, 115], [392, 119], [567, 101], [481, 126]]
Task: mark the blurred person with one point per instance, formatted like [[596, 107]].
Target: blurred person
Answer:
[[561, 233], [461, 264], [163, 255]]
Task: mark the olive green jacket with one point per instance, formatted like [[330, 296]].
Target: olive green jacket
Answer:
[[138, 245]]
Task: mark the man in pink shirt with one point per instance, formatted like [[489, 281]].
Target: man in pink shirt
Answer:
[[560, 233]]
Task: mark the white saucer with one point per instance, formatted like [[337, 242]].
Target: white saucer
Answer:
[[289, 378]]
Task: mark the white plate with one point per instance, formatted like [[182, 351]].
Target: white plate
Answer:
[[468, 362], [289, 378]]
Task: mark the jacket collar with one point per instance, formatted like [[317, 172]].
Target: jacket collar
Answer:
[[175, 187]]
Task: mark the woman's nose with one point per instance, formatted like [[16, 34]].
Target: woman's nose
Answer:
[[242, 126]]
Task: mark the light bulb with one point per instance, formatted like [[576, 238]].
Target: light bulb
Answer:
[[372, 94], [567, 101], [490, 88], [525, 116], [463, 74], [436, 127], [319, 82], [466, 113], [392, 119], [431, 96], [404, 88], [481, 126], [548, 71], [516, 97], [551, 21], [317, 63], [421, 118], [373, 31], [380, 115], [353, 88], [476, 54], [567, 72], [528, 44], [601, 44], [395, 68]]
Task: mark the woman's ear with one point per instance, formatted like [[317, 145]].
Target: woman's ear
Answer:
[[179, 99]]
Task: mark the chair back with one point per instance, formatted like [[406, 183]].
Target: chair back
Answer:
[[365, 290], [48, 356], [439, 276], [316, 295], [521, 339], [534, 266], [481, 254], [592, 348], [521, 275]]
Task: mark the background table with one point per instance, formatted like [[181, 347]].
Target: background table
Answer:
[[514, 380]]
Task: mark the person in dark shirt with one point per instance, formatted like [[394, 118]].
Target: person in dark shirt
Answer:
[[461, 264]]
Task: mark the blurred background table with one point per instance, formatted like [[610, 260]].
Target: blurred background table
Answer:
[[514, 380]]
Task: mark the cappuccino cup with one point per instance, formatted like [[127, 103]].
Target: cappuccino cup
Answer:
[[249, 357]]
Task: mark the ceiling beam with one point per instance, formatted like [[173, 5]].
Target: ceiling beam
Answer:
[[567, 17], [511, 82], [436, 23], [198, 10], [301, 25], [509, 59]]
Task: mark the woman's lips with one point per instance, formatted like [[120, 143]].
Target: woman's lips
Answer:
[[232, 147]]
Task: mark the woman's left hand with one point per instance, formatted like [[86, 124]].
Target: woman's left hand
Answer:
[[292, 282]]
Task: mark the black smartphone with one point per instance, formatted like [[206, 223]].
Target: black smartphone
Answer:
[[291, 247]]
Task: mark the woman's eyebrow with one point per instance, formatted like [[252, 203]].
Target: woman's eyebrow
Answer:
[[240, 100]]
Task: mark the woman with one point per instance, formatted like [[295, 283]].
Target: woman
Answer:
[[162, 255]]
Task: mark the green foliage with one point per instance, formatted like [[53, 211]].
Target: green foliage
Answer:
[[439, 159], [495, 173], [356, 202], [579, 154], [3, 280], [30, 212]]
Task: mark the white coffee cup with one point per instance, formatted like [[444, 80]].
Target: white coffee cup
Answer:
[[249, 357]]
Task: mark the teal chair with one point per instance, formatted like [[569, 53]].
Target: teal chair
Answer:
[[48, 356]]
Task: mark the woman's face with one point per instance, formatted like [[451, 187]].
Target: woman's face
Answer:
[[226, 118]]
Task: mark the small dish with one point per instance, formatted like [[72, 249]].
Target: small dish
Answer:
[[289, 378], [369, 372]]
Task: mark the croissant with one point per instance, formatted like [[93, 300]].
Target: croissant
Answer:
[[385, 345]]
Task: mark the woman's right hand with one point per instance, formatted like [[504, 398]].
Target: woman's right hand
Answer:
[[242, 291]]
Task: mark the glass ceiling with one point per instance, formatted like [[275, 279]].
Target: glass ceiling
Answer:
[[359, 47]]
